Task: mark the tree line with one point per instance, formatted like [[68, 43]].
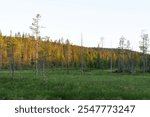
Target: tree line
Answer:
[[24, 51], [19, 52]]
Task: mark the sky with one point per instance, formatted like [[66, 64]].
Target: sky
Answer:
[[69, 18]]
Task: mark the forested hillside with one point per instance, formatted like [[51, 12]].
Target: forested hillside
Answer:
[[19, 52]]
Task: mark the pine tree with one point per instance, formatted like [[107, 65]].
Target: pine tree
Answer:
[[144, 44], [122, 45], [35, 28]]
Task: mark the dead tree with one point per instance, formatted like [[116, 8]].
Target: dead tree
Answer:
[[67, 54], [35, 29], [81, 55], [121, 64], [10, 51], [144, 44], [1, 49], [111, 58]]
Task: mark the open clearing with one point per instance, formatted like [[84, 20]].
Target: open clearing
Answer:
[[57, 84]]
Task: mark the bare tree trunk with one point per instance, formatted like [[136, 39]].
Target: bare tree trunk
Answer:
[[11, 59], [0, 60], [144, 65], [111, 68], [131, 63], [81, 54], [67, 60], [36, 59], [67, 54], [123, 62], [43, 67], [12, 70], [35, 28], [111, 61]]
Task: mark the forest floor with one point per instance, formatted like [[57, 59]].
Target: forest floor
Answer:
[[57, 84]]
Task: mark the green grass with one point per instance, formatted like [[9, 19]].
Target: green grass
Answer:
[[60, 85]]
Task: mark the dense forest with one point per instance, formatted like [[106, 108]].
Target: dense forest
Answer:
[[19, 52], [23, 51]]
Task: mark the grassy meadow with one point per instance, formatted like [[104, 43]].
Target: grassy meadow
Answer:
[[57, 84]]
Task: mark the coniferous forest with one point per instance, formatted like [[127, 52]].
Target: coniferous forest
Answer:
[[61, 70], [19, 52]]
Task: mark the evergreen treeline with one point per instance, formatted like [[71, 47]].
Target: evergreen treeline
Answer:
[[19, 52]]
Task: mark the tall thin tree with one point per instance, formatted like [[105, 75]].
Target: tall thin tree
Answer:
[[81, 55], [67, 55], [111, 64], [144, 44], [1, 49], [35, 28], [10, 48], [122, 45]]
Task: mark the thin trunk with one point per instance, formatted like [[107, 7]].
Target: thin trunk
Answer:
[[123, 61], [12, 69], [36, 58], [144, 63], [81, 55], [43, 68], [67, 57], [0, 60], [111, 63], [67, 60], [132, 65], [111, 66]]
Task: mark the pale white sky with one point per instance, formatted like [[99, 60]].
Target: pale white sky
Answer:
[[68, 18]]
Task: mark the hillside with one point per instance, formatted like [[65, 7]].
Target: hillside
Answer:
[[20, 52]]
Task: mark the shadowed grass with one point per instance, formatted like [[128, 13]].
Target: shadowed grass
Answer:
[[60, 85]]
